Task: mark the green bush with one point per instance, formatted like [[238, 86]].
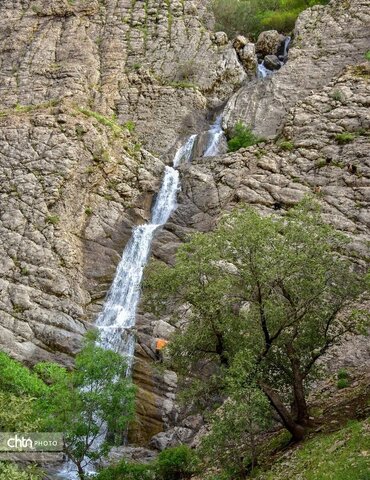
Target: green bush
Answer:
[[343, 138], [176, 463], [342, 383], [286, 145], [251, 17], [11, 471], [242, 137], [127, 471], [342, 373]]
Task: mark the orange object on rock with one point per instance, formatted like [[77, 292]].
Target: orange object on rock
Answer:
[[161, 343]]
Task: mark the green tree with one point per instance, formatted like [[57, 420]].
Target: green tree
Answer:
[[20, 390], [274, 290], [96, 395], [242, 137]]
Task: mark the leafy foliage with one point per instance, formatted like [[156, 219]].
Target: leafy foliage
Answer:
[[265, 297], [251, 17], [234, 428], [176, 463], [127, 471], [242, 137], [78, 403], [11, 471], [20, 390]]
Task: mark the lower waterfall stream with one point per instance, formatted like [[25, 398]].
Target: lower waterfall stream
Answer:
[[117, 318]]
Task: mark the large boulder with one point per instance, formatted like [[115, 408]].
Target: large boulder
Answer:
[[268, 42]]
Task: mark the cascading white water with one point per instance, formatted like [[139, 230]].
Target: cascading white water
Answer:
[[262, 71], [118, 316], [184, 153], [216, 136], [117, 319]]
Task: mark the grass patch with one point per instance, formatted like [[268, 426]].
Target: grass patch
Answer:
[[343, 455], [53, 219], [286, 145], [183, 84], [242, 137], [337, 95], [343, 138], [109, 122]]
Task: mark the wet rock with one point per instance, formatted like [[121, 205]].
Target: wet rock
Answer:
[[272, 62], [268, 42]]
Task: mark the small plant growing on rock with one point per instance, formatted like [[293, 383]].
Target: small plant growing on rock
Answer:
[[343, 138], [286, 145], [337, 95], [129, 125], [53, 219], [342, 376], [342, 383], [242, 137]]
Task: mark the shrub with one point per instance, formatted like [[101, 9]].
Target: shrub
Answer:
[[129, 125], [11, 471], [342, 383], [127, 471], [53, 219], [367, 55], [242, 137], [176, 463], [337, 95], [342, 374], [343, 138], [254, 16], [286, 145]]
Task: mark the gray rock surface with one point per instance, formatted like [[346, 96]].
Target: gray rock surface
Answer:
[[268, 42], [326, 39]]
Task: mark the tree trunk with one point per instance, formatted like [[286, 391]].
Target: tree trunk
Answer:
[[81, 472], [289, 423], [302, 416]]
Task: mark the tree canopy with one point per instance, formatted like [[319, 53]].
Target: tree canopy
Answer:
[[258, 301]]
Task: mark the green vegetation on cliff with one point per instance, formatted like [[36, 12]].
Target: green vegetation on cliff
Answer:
[[267, 297], [251, 17], [77, 403]]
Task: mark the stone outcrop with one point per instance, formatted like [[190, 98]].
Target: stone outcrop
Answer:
[[323, 150], [326, 38]]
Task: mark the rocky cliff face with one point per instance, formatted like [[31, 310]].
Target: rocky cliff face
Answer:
[[74, 79]]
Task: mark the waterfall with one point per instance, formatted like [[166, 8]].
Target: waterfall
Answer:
[[117, 318], [118, 315], [216, 136]]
